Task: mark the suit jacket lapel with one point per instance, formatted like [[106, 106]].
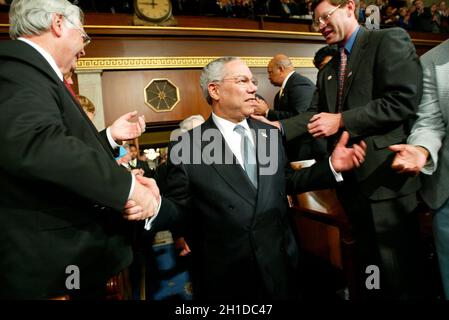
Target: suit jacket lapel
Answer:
[[330, 81], [277, 101], [233, 174], [77, 105], [357, 54], [442, 79]]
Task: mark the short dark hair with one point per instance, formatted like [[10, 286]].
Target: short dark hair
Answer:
[[258, 96], [322, 53], [315, 3]]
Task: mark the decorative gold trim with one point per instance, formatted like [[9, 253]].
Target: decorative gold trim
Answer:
[[132, 63], [230, 30]]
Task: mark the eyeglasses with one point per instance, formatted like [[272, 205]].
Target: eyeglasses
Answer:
[[86, 38], [242, 81], [324, 19]]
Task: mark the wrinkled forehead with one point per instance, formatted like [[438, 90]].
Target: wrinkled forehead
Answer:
[[237, 68]]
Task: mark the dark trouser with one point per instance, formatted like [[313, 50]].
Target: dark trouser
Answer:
[[387, 237]]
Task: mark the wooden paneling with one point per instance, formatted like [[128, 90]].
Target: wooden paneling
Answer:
[[113, 36], [123, 91]]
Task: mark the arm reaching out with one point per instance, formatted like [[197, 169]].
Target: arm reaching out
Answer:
[[409, 158], [124, 129], [346, 158]]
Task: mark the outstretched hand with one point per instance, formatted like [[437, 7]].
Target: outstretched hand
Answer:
[[409, 158], [124, 129], [345, 158]]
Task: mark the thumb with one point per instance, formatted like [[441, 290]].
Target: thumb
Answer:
[[343, 139], [396, 147], [129, 115], [143, 180]]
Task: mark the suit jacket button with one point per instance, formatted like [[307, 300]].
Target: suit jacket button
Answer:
[[102, 208]]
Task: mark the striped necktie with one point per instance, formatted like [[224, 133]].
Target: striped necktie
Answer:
[[341, 77], [248, 154]]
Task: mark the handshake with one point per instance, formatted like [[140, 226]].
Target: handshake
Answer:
[[144, 201]]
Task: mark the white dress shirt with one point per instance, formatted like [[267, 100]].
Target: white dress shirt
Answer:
[[232, 138]]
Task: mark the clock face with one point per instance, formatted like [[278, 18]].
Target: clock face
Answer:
[[153, 10]]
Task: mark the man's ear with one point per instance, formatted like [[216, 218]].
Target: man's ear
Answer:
[[213, 91], [350, 4], [56, 24]]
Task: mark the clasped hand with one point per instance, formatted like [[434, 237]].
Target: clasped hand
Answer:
[[144, 201]]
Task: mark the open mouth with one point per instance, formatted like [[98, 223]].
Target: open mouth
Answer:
[[326, 33]]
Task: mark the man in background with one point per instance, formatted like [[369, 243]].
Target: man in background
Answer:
[[136, 163], [293, 98]]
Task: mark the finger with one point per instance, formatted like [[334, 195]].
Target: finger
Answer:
[[142, 124], [144, 180], [129, 115], [257, 117], [314, 118], [355, 161], [314, 129], [133, 217], [311, 126], [133, 210], [359, 152], [397, 147], [137, 129], [130, 203], [362, 144], [343, 139], [184, 252], [398, 166]]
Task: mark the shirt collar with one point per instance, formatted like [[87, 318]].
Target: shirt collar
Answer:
[[286, 79], [350, 43], [46, 55], [227, 126]]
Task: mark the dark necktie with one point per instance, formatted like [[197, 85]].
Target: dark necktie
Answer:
[[248, 154], [341, 78]]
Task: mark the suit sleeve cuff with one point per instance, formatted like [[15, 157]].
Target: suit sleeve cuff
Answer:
[[337, 175], [113, 144], [149, 221]]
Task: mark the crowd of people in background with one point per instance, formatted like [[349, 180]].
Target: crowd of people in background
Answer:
[[432, 16], [413, 17]]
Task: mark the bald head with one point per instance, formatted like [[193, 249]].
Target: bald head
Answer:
[[279, 68]]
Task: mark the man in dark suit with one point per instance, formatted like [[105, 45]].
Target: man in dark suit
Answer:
[[61, 230], [136, 163], [293, 98], [221, 182], [380, 88]]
